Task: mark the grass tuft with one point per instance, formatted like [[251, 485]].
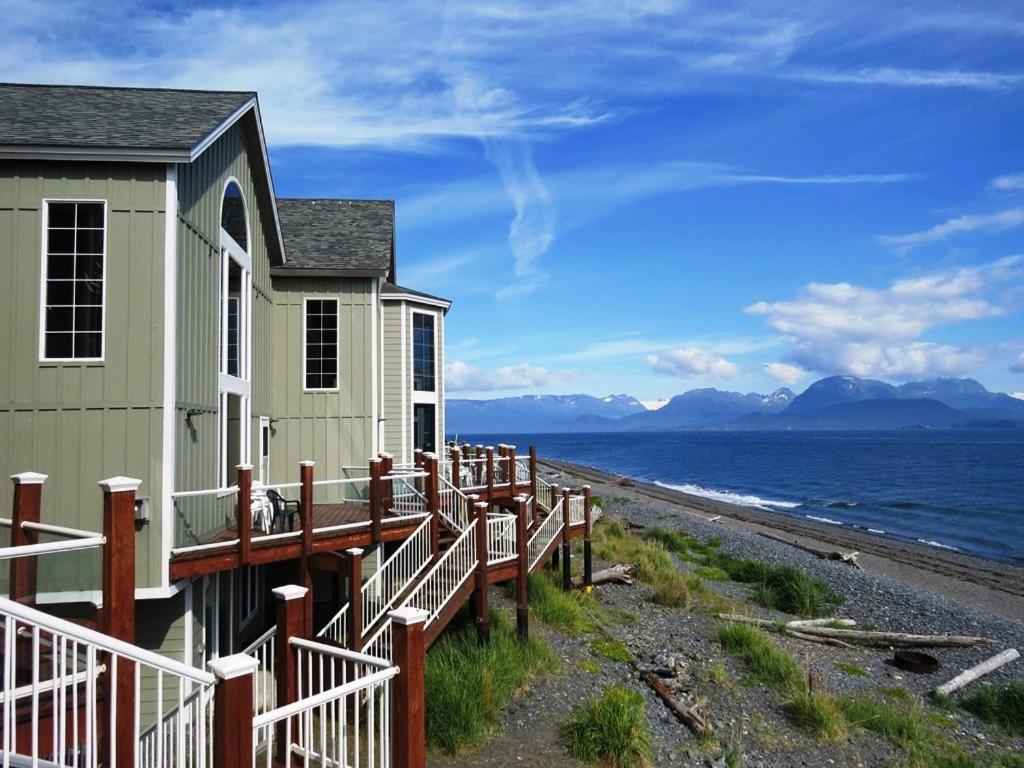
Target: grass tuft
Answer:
[[902, 725], [611, 729], [851, 669], [817, 714], [1002, 706], [570, 612], [609, 648], [711, 573], [766, 662]]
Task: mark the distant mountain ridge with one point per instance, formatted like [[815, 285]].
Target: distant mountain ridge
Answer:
[[835, 402]]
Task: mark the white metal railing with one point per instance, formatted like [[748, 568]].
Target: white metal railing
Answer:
[[336, 721], [522, 470], [77, 539], [545, 533], [543, 493], [577, 513], [501, 538], [474, 473], [396, 574], [264, 680], [199, 516], [405, 499], [337, 628], [53, 696], [454, 506]]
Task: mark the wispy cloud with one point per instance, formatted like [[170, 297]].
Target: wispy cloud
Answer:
[[986, 222], [463, 377], [1010, 182], [691, 362], [913, 78], [1017, 366], [438, 270], [846, 328]]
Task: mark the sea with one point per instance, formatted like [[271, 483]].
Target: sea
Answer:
[[960, 490]]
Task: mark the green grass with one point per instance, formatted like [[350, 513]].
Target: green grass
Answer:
[[781, 587], [900, 723], [588, 665], [1002, 706], [851, 669], [468, 684], [570, 612], [765, 662], [609, 648], [711, 573], [611, 729], [671, 591], [818, 715]]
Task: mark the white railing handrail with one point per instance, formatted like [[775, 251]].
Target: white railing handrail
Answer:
[[225, 491], [255, 644], [338, 617], [415, 552], [545, 533], [48, 548], [501, 537], [59, 530], [324, 697], [340, 653], [453, 552], [27, 615]]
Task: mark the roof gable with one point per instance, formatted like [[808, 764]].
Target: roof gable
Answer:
[[338, 236]]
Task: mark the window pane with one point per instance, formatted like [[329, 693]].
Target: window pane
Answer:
[[61, 241], [89, 266], [321, 345], [88, 292], [88, 318], [90, 215], [61, 215], [89, 241], [60, 292], [60, 318], [88, 344], [60, 266], [59, 345]]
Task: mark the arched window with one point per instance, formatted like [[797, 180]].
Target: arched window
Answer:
[[232, 216]]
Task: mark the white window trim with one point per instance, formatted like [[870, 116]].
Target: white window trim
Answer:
[[337, 359], [43, 243], [420, 395]]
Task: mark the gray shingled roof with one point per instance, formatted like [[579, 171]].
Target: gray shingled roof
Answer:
[[123, 118], [348, 235], [391, 289]]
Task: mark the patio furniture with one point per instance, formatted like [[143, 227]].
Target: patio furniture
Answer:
[[283, 508], [261, 509]]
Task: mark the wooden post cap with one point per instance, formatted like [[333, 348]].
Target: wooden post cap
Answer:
[[408, 615], [243, 466], [354, 552], [119, 484], [28, 478], [289, 592], [230, 667], [307, 463]]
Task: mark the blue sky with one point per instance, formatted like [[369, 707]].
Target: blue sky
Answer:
[[636, 197]]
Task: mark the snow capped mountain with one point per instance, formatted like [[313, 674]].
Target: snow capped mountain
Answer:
[[653, 405]]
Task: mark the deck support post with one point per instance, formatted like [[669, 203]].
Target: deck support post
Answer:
[[376, 500], [555, 496], [481, 475], [28, 493], [306, 516], [290, 623], [483, 622], [232, 711], [244, 521], [533, 484], [408, 653], [512, 470], [523, 570], [387, 485], [433, 494], [489, 480], [588, 563], [566, 543], [456, 465], [501, 467], [355, 598], [118, 615], [417, 458]]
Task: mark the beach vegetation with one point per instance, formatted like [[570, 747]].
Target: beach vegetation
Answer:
[[717, 674], [817, 714], [853, 670], [468, 684], [765, 661], [571, 612], [1002, 706], [591, 666], [671, 591], [612, 729], [899, 723], [711, 573], [609, 648]]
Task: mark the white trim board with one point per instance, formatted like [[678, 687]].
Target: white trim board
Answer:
[[167, 461]]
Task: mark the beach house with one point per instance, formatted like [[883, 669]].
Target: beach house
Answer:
[[263, 402]]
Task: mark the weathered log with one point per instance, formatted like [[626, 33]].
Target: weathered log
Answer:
[[897, 638], [799, 623], [687, 716], [617, 574], [849, 558], [819, 640], [748, 619], [968, 676]]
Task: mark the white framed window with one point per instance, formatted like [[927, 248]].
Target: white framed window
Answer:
[[233, 336], [320, 359], [73, 300], [424, 374]]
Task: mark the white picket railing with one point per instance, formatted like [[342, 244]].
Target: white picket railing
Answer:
[[337, 628], [454, 506], [53, 693], [545, 533], [577, 513], [543, 493], [501, 538], [405, 499], [396, 574], [523, 470], [336, 721], [474, 473], [501, 471], [264, 680]]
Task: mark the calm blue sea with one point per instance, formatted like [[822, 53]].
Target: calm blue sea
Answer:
[[958, 489]]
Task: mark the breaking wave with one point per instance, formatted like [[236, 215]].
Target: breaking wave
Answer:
[[938, 544], [828, 520], [739, 499]]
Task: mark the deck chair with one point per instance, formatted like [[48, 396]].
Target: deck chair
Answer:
[[283, 508]]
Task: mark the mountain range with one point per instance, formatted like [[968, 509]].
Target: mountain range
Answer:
[[836, 402]]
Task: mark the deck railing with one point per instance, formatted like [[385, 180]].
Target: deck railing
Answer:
[[405, 498], [523, 470], [396, 574], [543, 493], [200, 515], [61, 687], [577, 514], [501, 538], [342, 716], [264, 680], [545, 533], [454, 506]]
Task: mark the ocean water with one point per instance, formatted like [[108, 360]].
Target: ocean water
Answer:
[[957, 489]]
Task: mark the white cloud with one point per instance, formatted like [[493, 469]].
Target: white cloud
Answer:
[[845, 328], [1017, 366], [914, 78], [784, 373], [1018, 395], [691, 362], [1010, 182], [463, 377], [992, 222]]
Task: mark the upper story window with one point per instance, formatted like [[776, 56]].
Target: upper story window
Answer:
[[74, 270], [320, 369], [423, 352], [232, 349]]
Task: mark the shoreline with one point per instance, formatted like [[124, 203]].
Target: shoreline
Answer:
[[990, 585]]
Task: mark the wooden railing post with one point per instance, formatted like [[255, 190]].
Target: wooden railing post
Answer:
[[28, 493], [555, 495], [306, 515], [490, 474], [434, 502], [566, 564], [499, 473], [588, 563], [118, 615], [355, 598], [479, 469], [523, 570], [232, 711], [417, 458], [408, 654], [456, 467], [533, 483], [483, 620], [513, 470], [376, 499], [291, 622], [244, 521]]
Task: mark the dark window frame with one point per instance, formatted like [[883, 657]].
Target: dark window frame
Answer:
[[424, 380]]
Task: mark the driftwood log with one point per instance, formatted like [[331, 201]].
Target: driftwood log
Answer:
[[968, 676], [686, 715], [617, 574], [848, 558], [808, 629]]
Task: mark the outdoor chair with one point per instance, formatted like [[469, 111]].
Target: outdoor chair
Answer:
[[283, 508]]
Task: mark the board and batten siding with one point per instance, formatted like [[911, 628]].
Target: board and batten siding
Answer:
[[82, 422], [333, 428]]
